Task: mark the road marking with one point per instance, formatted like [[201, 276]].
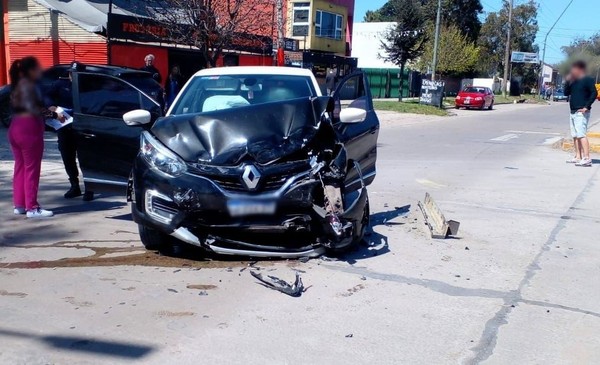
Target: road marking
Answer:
[[551, 140], [535, 132], [505, 138], [430, 183]]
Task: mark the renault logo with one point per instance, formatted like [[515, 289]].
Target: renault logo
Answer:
[[251, 177]]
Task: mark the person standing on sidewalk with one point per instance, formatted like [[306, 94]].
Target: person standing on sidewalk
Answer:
[[582, 93], [26, 135]]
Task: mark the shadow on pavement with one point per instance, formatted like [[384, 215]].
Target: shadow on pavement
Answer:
[[376, 244], [94, 206], [85, 344]]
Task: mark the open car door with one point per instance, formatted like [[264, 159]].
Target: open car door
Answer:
[[106, 145], [356, 122]]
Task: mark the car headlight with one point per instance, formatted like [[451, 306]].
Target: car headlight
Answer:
[[160, 157], [458, 97], [479, 98]]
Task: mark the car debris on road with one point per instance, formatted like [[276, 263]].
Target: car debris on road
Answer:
[[272, 282]]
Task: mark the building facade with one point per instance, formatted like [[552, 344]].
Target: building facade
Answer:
[[321, 25], [29, 28], [58, 32]]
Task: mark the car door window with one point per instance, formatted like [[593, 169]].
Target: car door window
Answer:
[[107, 96], [351, 93]]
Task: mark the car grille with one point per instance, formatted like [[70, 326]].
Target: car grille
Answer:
[[273, 177], [267, 183]]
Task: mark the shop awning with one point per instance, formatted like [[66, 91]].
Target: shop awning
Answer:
[[92, 15]]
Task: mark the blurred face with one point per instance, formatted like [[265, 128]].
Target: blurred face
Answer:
[[149, 61], [577, 72], [35, 74]]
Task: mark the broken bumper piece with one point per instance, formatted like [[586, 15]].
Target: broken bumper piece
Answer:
[[225, 247]]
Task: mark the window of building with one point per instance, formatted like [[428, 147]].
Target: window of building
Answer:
[[301, 21], [328, 25]]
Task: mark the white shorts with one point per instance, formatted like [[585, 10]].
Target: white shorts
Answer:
[[579, 124]]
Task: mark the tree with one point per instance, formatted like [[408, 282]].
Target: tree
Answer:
[[583, 49], [213, 26], [464, 14], [456, 53], [492, 40], [406, 40]]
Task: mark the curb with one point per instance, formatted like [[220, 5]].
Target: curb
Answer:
[[567, 144]]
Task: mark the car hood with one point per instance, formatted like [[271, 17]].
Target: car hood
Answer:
[[263, 132]]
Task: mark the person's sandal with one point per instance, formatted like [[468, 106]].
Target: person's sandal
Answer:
[[573, 160]]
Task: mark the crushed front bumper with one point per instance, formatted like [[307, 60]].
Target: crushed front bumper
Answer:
[[196, 210]]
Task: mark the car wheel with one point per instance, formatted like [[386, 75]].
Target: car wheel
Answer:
[[456, 107], [491, 106], [153, 239]]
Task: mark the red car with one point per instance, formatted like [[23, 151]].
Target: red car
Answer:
[[475, 97]]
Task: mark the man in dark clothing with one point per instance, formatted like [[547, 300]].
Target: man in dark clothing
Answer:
[[61, 94], [149, 67], [582, 92]]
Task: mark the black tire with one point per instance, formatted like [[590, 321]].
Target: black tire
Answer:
[[456, 107], [491, 106], [152, 239]]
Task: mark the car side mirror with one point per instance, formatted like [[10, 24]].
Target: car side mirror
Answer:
[[353, 115], [137, 117]]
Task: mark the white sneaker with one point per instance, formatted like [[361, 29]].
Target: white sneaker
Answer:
[[573, 160], [585, 162], [20, 211], [39, 213]]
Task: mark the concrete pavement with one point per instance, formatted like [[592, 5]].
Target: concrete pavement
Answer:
[[519, 284]]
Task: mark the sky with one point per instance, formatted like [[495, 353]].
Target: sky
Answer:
[[581, 19]]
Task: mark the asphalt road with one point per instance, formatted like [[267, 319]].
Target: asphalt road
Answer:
[[519, 285]]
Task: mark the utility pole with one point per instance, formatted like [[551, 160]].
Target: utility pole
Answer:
[[545, 42], [436, 41], [280, 51], [507, 50], [109, 46]]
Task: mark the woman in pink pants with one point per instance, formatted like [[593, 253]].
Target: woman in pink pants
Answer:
[[26, 135]]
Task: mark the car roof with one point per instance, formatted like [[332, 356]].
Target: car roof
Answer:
[[104, 69], [254, 70]]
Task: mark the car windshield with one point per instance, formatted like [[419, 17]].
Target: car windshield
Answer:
[[476, 90], [210, 93]]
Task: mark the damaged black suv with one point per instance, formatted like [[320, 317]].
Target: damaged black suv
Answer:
[[248, 161]]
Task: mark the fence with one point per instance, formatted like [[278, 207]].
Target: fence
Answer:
[[384, 83]]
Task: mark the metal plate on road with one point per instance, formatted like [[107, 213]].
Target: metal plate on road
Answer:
[[240, 208]]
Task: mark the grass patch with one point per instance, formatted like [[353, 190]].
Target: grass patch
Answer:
[[529, 99], [408, 107]]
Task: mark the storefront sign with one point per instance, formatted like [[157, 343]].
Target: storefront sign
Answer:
[[432, 93], [126, 27], [524, 57], [290, 44]]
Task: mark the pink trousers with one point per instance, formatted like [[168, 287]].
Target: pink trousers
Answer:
[[26, 137]]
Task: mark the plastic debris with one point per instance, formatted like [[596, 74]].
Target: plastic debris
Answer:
[[272, 282]]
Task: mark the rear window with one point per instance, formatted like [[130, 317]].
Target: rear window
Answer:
[[477, 90], [209, 93]]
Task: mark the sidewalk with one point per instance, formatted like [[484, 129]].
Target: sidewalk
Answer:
[[593, 136]]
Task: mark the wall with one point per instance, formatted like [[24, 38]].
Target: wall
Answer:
[[132, 55], [366, 45], [313, 42], [35, 30]]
